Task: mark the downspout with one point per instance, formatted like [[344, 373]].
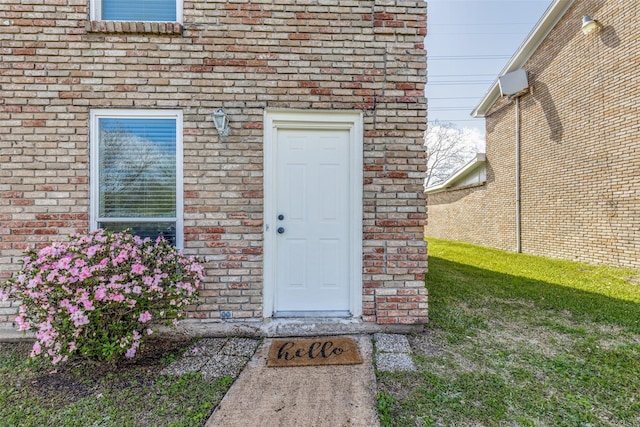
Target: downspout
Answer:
[[518, 213], [516, 84]]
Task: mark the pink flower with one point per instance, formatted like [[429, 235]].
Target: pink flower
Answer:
[[116, 297], [57, 359], [138, 269], [112, 273], [120, 258], [144, 317], [37, 349], [85, 273], [64, 263], [79, 318], [101, 294], [92, 250], [51, 277], [86, 302]]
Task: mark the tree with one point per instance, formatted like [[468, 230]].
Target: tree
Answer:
[[448, 148]]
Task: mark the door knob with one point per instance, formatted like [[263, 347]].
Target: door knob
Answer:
[[280, 230]]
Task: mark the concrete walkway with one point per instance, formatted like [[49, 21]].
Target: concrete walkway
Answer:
[[336, 395]]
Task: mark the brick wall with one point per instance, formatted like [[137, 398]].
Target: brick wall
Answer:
[[244, 56], [580, 150]]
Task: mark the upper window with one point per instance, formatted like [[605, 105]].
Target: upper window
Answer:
[[136, 172], [136, 10]]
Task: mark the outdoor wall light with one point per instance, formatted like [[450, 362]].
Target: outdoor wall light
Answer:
[[590, 25], [221, 122]]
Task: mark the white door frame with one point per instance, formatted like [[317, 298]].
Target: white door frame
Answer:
[[275, 119]]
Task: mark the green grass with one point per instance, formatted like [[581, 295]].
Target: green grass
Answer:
[[86, 394], [521, 340]]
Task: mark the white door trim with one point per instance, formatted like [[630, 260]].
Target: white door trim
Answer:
[[275, 119]]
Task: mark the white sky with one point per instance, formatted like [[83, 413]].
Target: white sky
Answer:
[[468, 43]]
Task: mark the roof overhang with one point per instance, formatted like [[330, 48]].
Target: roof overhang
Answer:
[[552, 15], [459, 175]]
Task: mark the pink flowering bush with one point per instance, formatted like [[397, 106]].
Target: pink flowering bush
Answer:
[[99, 294]]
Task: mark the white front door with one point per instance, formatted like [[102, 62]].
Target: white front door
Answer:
[[312, 202], [311, 228]]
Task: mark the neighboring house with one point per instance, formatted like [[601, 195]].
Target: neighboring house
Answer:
[[579, 143], [310, 206], [471, 174]]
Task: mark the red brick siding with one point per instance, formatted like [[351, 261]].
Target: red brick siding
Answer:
[[243, 56]]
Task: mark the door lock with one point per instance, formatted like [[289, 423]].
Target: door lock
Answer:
[[280, 230]]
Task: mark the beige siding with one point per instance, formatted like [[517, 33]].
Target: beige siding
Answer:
[[580, 150]]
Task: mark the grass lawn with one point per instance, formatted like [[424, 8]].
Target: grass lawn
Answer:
[[514, 340], [518, 340], [129, 393]]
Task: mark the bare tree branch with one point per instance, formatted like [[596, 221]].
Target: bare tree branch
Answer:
[[447, 150]]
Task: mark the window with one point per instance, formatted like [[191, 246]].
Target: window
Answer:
[[136, 10], [136, 172]]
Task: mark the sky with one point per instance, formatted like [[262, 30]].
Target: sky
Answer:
[[468, 43]]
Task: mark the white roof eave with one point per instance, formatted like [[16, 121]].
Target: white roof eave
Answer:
[[552, 15], [478, 160]]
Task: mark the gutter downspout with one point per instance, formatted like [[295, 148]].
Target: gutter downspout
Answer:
[[518, 213]]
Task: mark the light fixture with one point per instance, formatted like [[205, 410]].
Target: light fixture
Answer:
[[590, 25], [221, 121]]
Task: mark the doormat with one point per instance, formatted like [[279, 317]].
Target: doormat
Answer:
[[314, 351]]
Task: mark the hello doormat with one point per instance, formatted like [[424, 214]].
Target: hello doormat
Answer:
[[314, 351]]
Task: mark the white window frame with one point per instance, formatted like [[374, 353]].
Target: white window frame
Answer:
[[94, 117], [95, 6]]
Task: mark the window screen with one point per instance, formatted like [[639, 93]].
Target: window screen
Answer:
[[139, 10]]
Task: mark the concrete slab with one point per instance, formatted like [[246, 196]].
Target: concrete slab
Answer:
[[336, 395], [214, 357], [300, 327], [206, 347], [394, 362], [184, 365], [221, 365], [13, 335], [240, 347], [289, 327], [392, 343]]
